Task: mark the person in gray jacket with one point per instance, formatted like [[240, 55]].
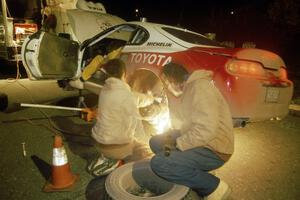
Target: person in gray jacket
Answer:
[[203, 140]]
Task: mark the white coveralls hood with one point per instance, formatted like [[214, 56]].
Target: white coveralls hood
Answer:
[[119, 120], [205, 116]]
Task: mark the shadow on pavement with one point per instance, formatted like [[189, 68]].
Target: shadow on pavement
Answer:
[[43, 166], [95, 190], [77, 136], [90, 100]]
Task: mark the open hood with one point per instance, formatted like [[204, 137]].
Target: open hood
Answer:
[[87, 24]]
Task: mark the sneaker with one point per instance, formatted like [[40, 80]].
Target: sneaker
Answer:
[[213, 172], [103, 166], [93, 163], [221, 193]]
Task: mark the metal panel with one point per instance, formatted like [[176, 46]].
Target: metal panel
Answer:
[[57, 57]]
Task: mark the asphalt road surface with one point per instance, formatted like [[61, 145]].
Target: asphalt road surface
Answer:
[[266, 163]]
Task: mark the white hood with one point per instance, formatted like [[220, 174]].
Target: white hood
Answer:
[[86, 24]]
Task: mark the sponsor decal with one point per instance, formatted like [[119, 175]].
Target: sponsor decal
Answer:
[[150, 58], [159, 44], [95, 8], [103, 25]]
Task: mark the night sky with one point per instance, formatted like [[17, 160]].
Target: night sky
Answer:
[[231, 20], [272, 24]]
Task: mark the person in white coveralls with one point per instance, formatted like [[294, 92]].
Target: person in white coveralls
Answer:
[[118, 122]]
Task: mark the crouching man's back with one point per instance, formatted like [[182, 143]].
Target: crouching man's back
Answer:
[[204, 140]]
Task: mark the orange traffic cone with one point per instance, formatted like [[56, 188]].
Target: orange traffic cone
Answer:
[[61, 178]]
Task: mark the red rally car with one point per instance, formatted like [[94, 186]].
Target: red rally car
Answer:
[[253, 81]]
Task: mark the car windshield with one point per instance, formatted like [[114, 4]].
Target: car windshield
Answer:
[[191, 37]]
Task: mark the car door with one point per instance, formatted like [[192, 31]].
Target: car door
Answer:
[[48, 56], [121, 36]]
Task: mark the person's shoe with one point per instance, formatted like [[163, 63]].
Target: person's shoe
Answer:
[[103, 166], [213, 172], [221, 193]]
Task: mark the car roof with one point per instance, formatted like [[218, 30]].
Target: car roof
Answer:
[[156, 25], [161, 29]]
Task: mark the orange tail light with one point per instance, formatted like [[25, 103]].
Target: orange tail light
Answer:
[[245, 68], [283, 73]]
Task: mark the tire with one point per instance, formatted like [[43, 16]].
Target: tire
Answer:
[[140, 174]]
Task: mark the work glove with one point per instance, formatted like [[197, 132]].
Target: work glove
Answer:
[[88, 114]]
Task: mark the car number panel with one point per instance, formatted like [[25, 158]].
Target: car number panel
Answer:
[[272, 95]]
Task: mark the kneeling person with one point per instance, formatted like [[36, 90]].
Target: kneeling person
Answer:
[[117, 122]]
